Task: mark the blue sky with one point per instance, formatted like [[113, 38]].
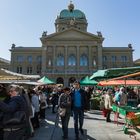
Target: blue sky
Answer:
[[23, 21]]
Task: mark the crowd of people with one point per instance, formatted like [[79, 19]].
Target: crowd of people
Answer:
[[120, 96], [22, 109], [30, 105]]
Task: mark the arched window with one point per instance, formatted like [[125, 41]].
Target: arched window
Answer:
[[60, 80], [83, 60], [72, 60], [71, 80], [60, 60]]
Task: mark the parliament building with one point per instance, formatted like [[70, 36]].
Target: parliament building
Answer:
[[70, 53]]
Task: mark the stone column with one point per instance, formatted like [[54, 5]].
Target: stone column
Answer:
[[99, 56], [89, 58], [54, 58], [65, 58], [77, 57], [66, 81], [44, 49]]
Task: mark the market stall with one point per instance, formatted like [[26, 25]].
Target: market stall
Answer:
[[124, 110], [118, 82], [45, 80], [131, 116], [6, 75], [113, 72], [88, 81], [134, 75]]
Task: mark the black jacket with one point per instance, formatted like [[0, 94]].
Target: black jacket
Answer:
[[16, 103]]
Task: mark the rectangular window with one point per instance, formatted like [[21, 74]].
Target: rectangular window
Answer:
[[39, 59], [19, 59], [124, 58], [29, 59], [38, 69], [29, 70], [19, 69], [104, 58], [114, 59]]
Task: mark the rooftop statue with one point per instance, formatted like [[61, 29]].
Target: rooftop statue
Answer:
[[13, 45], [99, 34], [72, 22], [44, 34]]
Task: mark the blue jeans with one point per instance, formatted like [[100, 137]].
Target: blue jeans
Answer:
[[78, 115]]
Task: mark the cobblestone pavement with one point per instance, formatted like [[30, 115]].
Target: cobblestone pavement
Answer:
[[95, 128]]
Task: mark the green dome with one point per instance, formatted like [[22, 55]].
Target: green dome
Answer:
[[67, 14]]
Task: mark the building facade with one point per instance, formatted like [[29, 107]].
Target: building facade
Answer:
[[70, 53]]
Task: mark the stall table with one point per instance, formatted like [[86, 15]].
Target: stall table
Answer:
[[123, 110]]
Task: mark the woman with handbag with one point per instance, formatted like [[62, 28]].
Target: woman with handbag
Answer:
[[65, 110]]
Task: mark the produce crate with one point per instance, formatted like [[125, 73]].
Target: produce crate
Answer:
[[133, 121]]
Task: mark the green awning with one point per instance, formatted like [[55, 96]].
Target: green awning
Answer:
[[114, 72], [87, 81], [45, 80]]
